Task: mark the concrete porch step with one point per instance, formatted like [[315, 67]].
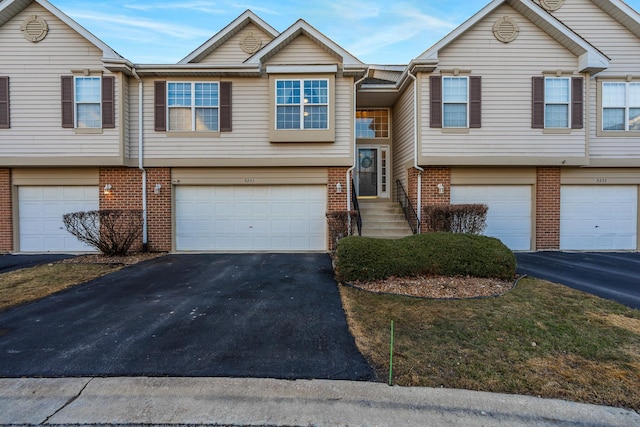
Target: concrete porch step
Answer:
[[383, 218]]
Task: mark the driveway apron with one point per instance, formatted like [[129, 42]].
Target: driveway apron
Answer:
[[611, 275], [236, 315]]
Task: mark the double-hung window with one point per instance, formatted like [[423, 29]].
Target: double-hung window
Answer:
[[88, 101], [193, 106], [302, 104], [621, 106], [557, 100], [455, 102]]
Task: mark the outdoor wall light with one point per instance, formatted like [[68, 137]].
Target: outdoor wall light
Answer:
[[107, 189], [440, 188], [338, 188], [157, 188]]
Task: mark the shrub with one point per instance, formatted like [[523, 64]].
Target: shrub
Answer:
[[339, 225], [111, 231], [446, 254], [465, 218]]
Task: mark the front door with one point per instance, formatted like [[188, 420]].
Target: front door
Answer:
[[372, 170]]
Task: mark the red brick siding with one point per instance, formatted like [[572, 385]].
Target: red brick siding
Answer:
[[336, 201], [6, 211], [548, 208], [431, 177], [159, 209], [126, 191]]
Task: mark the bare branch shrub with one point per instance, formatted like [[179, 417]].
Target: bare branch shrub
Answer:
[[339, 225], [111, 231], [464, 218]]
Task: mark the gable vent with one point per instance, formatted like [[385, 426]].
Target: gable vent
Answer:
[[551, 5], [251, 43], [34, 29], [505, 29]]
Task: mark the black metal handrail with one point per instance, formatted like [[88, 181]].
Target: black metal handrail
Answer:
[[356, 207], [409, 212]]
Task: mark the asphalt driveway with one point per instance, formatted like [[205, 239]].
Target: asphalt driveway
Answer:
[[10, 262], [241, 315], [611, 275]]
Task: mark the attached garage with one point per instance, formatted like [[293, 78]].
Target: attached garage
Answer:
[[40, 211], [250, 218], [603, 217], [510, 212]]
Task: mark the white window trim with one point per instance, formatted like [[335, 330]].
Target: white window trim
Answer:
[[192, 107], [467, 102], [568, 103], [626, 107], [302, 105], [76, 102], [388, 122]]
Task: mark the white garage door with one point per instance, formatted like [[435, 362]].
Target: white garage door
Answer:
[[509, 215], [598, 217], [40, 212], [251, 218]]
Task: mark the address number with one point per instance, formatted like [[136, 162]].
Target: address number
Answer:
[[601, 180], [249, 181]]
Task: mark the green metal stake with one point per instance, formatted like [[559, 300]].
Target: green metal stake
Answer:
[[391, 356]]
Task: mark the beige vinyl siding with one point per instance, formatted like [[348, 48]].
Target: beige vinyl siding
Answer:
[[403, 135], [248, 144], [54, 176], [230, 51], [302, 50], [248, 176], [623, 48], [35, 70], [506, 71]]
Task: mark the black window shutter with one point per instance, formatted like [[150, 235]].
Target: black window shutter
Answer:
[[67, 102], [577, 103], [475, 102], [108, 103], [4, 103], [537, 102], [160, 105], [435, 84], [225, 107]]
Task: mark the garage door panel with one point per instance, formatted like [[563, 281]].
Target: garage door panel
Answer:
[[41, 228], [598, 217], [251, 218], [509, 214]]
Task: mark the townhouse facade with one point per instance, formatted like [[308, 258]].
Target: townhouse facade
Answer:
[[531, 107]]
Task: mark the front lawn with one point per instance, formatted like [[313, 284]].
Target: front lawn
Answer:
[[539, 339]]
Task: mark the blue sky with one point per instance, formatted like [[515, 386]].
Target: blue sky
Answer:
[[375, 31]]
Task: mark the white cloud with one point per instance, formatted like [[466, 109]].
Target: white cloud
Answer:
[[129, 24], [198, 6]]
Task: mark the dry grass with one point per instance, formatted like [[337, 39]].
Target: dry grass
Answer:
[[539, 339], [29, 284]]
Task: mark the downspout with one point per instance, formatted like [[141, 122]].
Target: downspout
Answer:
[[415, 148], [355, 148], [145, 244]]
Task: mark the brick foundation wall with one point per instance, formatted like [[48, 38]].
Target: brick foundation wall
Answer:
[[6, 211], [431, 177], [547, 208], [126, 191], [159, 209]]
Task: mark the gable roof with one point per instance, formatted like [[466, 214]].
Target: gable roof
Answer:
[[349, 62], [590, 59], [11, 8], [226, 33], [622, 13]]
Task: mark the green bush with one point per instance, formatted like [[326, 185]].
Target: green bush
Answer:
[[443, 254]]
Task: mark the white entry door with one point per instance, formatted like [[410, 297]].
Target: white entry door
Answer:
[[372, 172], [598, 217], [40, 217], [509, 215], [251, 218]]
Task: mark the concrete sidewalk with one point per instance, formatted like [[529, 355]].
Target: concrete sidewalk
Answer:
[[238, 401]]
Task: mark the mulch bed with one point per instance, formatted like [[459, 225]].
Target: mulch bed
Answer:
[[437, 287]]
